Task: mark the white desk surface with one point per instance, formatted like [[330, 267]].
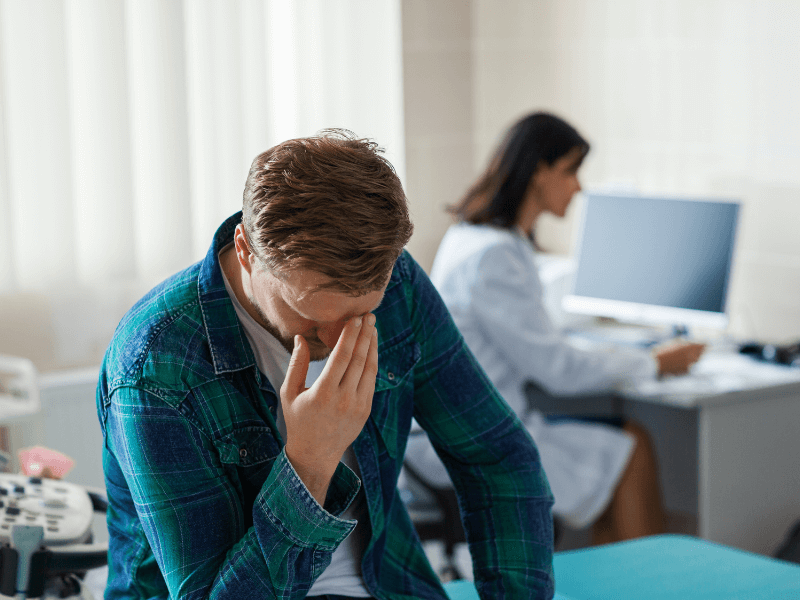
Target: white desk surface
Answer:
[[720, 376]]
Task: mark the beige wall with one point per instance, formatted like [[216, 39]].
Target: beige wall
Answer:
[[439, 115], [686, 97]]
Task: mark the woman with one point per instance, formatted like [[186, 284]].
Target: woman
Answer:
[[486, 273]]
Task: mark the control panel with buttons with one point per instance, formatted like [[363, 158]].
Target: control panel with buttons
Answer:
[[63, 510]]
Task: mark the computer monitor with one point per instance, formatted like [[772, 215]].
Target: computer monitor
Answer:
[[660, 261]]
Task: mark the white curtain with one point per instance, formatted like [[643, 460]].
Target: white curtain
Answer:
[[128, 126]]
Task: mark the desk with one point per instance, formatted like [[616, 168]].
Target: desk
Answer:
[[733, 426]]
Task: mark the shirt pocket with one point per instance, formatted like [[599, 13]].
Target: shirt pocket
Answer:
[[248, 454], [247, 446], [393, 402]]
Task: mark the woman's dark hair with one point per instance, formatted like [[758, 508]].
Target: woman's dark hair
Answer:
[[496, 197]]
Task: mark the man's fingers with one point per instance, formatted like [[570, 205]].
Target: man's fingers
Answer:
[[342, 353], [358, 360], [366, 386], [295, 382]]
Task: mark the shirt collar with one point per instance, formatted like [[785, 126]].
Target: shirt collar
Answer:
[[229, 348]]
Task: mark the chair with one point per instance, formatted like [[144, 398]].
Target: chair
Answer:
[[583, 406], [435, 513], [436, 516], [434, 509]]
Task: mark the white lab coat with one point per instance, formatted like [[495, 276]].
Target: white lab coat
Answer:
[[488, 279]]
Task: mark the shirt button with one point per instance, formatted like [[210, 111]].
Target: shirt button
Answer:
[[391, 376], [243, 452]]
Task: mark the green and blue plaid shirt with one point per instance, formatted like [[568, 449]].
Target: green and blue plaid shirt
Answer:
[[204, 504]]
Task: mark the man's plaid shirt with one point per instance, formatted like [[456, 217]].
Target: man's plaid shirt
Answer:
[[203, 502]]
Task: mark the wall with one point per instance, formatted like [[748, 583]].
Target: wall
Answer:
[[689, 98], [439, 115]]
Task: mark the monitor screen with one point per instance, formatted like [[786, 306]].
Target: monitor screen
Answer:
[[651, 260]]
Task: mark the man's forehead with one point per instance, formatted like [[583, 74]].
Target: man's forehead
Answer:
[[309, 289], [305, 281]]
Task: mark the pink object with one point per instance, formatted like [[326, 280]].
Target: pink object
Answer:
[[39, 461]]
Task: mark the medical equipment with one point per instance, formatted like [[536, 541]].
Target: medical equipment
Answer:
[[45, 537]]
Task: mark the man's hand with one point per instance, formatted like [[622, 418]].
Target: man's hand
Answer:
[[323, 420], [676, 358]]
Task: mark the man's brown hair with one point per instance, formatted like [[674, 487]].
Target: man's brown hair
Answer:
[[330, 203]]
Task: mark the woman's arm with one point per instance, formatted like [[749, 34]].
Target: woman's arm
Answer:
[[505, 302]]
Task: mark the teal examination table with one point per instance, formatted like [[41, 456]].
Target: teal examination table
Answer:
[[664, 567]]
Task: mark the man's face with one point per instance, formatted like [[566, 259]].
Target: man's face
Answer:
[[295, 305]]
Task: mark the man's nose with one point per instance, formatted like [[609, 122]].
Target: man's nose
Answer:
[[329, 334]]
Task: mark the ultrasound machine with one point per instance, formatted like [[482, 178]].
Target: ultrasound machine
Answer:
[[47, 545]]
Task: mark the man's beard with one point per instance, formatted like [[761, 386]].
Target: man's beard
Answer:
[[316, 347]]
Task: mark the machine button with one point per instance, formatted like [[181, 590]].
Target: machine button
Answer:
[[12, 510], [35, 480]]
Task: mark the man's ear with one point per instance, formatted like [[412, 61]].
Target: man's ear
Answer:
[[243, 253]]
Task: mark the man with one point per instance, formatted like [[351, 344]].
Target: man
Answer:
[[218, 488]]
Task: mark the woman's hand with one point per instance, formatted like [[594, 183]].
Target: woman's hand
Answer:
[[677, 357]]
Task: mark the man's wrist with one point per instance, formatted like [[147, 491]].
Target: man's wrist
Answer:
[[286, 504], [315, 473]]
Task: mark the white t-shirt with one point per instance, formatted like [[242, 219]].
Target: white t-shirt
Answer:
[[343, 575]]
